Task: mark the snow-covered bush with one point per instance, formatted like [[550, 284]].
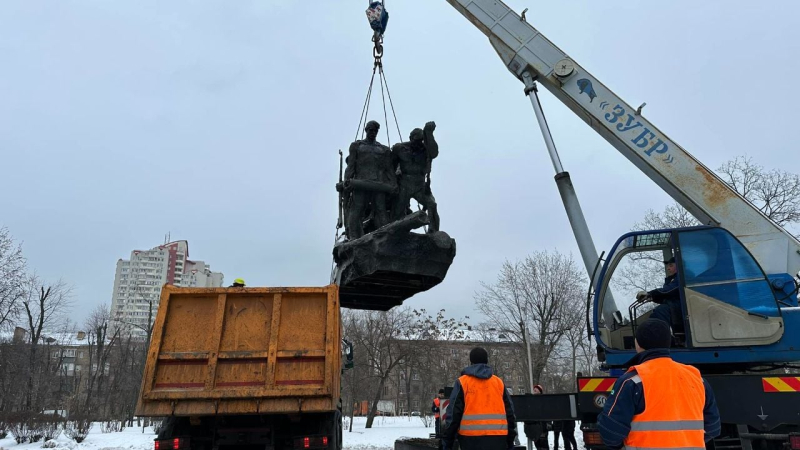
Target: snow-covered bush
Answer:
[[112, 426], [19, 425], [48, 426], [77, 428]]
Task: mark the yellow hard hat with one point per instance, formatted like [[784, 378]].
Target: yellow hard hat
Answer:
[[238, 281]]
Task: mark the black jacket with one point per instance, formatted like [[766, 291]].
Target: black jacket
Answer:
[[669, 292], [455, 411]]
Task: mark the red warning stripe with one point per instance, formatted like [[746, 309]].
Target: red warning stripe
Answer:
[[596, 384], [607, 384], [298, 382], [179, 385], [781, 384]]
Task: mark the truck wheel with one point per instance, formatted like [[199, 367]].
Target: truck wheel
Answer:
[[337, 430], [167, 429]]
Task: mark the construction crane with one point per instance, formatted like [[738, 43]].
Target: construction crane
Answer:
[[533, 59], [738, 295]]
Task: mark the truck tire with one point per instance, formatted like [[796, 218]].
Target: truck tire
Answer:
[[337, 430], [167, 429]]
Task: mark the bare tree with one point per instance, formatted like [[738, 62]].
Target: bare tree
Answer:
[[378, 335], [12, 276], [124, 372], [358, 380], [44, 305], [100, 346], [775, 192], [538, 293], [582, 355], [426, 362], [673, 216], [574, 335], [13, 373]]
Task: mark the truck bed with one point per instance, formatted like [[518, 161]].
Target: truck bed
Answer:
[[243, 351]]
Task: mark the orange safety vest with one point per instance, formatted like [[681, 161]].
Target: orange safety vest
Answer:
[[484, 409], [674, 398], [436, 402]]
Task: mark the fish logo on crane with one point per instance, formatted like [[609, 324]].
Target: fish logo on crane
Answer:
[[586, 88]]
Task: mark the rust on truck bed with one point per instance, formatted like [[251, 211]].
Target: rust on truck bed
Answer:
[[243, 351]]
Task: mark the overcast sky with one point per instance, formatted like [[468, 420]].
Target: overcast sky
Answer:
[[219, 122]]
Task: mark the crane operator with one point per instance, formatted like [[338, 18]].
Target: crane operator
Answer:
[[668, 296]]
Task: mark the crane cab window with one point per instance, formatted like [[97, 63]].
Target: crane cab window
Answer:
[[636, 264], [717, 265], [729, 301]]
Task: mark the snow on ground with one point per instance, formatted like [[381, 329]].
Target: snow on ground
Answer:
[[130, 438], [384, 431]]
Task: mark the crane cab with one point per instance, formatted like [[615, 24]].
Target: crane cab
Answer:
[[721, 308]]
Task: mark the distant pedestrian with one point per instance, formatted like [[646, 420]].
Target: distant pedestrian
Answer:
[[480, 413], [537, 431], [568, 433], [558, 426], [658, 401], [436, 409]]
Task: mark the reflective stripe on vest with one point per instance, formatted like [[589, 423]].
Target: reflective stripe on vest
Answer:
[[484, 409], [436, 402], [674, 398]]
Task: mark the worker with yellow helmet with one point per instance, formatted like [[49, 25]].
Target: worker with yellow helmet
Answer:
[[239, 282]]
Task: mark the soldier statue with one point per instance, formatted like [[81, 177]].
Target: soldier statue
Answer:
[[369, 182], [413, 162]]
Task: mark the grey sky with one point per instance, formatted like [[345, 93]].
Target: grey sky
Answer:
[[220, 122]]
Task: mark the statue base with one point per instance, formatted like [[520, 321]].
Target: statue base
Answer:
[[380, 270]]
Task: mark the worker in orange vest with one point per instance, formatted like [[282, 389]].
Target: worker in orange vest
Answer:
[[480, 412], [435, 408], [659, 403]]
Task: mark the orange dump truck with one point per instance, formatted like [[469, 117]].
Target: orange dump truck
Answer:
[[245, 367]]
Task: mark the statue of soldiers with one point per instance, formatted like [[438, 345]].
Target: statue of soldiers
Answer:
[[369, 179], [413, 159]]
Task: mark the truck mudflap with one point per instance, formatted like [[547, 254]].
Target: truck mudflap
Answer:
[[762, 402], [546, 407], [583, 405]]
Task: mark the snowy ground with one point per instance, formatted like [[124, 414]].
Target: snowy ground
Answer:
[[130, 438], [386, 430], [381, 436]]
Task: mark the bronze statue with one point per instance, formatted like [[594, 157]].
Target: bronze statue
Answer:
[[381, 264], [369, 182], [413, 162]]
